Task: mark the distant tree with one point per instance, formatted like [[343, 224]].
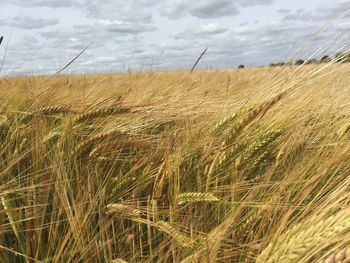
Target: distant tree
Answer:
[[311, 61], [347, 57], [342, 57], [325, 59], [241, 66], [339, 56], [279, 64], [1, 39], [299, 62]]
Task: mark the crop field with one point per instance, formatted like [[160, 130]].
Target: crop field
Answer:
[[240, 165]]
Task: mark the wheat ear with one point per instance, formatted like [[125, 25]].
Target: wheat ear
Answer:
[[99, 113], [252, 114], [341, 256], [295, 244], [122, 210], [45, 111], [343, 130], [118, 260], [94, 139], [195, 197], [174, 234], [220, 125]]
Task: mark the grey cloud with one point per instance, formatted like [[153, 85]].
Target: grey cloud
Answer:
[[201, 8], [24, 22], [136, 51], [284, 11]]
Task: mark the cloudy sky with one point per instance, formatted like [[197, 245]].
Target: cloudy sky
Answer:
[[41, 36]]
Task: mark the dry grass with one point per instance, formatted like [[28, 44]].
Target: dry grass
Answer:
[[213, 166]]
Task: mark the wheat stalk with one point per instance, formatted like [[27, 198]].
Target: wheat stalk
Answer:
[[119, 145], [4, 127], [12, 215]]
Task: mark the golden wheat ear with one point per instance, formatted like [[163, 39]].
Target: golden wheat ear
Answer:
[[118, 260], [296, 242], [174, 234], [188, 198]]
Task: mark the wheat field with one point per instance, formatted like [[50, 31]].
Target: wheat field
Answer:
[[240, 165]]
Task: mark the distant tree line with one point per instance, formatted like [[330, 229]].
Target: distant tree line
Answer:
[[340, 57]]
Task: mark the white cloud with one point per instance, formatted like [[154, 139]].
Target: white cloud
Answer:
[[47, 3], [246, 3], [175, 9], [131, 10], [204, 31], [164, 34], [26, 22], [122, 27]]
